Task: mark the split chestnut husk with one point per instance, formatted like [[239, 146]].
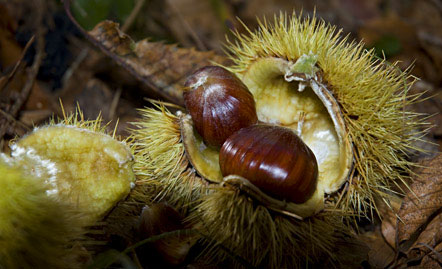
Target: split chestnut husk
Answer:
[[345, 105]]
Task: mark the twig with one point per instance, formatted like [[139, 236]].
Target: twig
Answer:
[[435, 252], [438, 4], [12, 119], [434, 40], [16, 66], [33, 70], [133, 15], [114, 104], [32, 74], [200, 45], [136, 260], [74, 66], [146, 81]]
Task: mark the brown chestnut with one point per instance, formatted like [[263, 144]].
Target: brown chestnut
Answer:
[[219, 103], [156, 219], [272, 158]]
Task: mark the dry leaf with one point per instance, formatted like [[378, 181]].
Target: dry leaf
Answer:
[[110, 36], [389, 218], [419, 230], [163, 68], [388, 229], [422, 203], [381, 254], [433, 259], [428, 239]]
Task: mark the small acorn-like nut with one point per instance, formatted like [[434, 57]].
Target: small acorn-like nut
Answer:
[[274, 159], [219, 103]]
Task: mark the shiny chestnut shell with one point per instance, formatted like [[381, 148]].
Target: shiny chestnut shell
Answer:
[[274, 159], [219, 104]]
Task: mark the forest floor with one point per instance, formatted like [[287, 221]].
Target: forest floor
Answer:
[[46, 60]]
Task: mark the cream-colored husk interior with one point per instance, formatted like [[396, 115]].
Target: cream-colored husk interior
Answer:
[[302, 103]]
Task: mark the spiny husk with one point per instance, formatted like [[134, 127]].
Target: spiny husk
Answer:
[[124, 216], [36, 231], [372, 95], [85, 167], [31, 160], [224, 215], [260, 236], [160, 159]]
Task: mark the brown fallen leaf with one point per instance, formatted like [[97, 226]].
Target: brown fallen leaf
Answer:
[[110, 36], [163, 68], [434, 259], [428, 239], [419, 229], [389, 218], [389, 230], [422, 203], [380, 255]]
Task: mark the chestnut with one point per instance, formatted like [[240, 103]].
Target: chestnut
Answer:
[[219, 104], [154, 220], [272, 158]]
